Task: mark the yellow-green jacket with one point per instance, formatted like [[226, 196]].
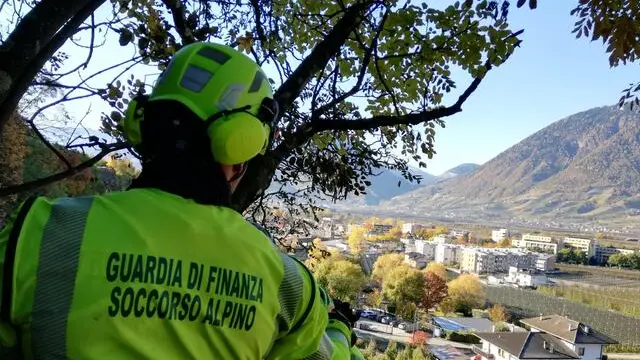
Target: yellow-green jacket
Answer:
[[144, 274]]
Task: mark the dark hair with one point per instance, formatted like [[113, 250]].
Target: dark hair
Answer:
[[176, 155]]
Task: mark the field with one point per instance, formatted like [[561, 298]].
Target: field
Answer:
[[624, 300], [529, 303], [602, 276]]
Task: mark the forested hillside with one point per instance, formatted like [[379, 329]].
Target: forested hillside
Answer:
[[24, 157]]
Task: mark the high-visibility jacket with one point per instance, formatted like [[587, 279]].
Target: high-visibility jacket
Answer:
[[144, 274]]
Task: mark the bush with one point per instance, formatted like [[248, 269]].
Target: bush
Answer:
[[463, 337]]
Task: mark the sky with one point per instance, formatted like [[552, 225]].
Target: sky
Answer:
[[551, 76]]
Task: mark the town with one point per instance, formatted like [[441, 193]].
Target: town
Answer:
[[504, 291]]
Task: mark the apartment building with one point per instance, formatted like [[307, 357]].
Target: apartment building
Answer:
[[545, 262], [536, 243], [602, 253], [499, 235], [588, 246], [411, 228], [443, 239], [488, 261], [448, 254], [426, 248]]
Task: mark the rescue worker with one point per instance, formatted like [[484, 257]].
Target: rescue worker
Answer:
[[166, 269]]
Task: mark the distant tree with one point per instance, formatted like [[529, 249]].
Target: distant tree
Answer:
[[437, 269], [384, 264], [392, 350], [580, 257], [395, 232], [403, 286], [370, 350], [13, 152], [317, 253], [389, 221], [341, 278], [355, 240], [498, 313], [418, 354], [467, 290], [374, 299], [504, 243], [447, 306], [435, 290]]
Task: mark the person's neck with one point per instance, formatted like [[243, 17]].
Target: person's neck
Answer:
[[202, 182]]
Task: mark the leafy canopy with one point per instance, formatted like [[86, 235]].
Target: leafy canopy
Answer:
[[355, 79]]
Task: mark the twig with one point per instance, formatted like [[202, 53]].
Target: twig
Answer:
[[93, 36], [180, 20], [320, 55], [32, 185]]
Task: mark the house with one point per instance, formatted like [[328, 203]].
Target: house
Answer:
[[520, 346], [415, 259], [526, 277], [580, 338]]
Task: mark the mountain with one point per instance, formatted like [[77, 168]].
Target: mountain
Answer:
[[461, 169], [584, 167], [384, 186]]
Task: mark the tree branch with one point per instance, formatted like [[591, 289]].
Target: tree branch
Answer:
[[319, 125], [320, 55], [24, 75], [32, 185], [363, 70], [180, 20]]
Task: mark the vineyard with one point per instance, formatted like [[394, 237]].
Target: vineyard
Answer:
[[624, 300], [624, 329]]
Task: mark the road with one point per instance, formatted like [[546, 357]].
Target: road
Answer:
[[380, 331]]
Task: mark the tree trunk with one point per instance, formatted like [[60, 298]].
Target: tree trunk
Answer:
[[32, 43]]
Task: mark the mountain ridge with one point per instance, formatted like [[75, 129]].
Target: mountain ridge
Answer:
[[585, 167]]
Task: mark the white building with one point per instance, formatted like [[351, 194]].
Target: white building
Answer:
[[411, 228], [545, 262], [426, 248], [443, 239], [526, 277], [498, 235], [586, 342], [536, 243], [602, 253], [551, 337], [458, 233], [588, 246], [448, 254]]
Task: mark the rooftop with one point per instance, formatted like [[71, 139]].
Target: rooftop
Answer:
[[463, 324], [529, 345], [570, 330]]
